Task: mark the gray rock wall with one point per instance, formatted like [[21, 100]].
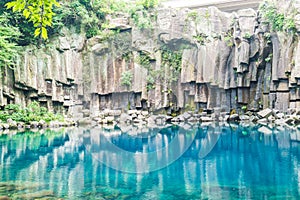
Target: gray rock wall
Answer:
[[227, 61]]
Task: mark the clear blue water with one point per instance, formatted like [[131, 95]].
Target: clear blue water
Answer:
[[221, 162]]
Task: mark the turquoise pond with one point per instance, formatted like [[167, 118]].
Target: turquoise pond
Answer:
[[205, 161]]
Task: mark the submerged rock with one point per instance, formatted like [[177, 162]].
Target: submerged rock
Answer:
[[36, 195]]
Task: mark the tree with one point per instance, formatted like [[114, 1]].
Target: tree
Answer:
[[39, 12], [8, 47]]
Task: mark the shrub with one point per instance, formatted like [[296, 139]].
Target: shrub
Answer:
[[33, 112], [126, 78], [277, 20]]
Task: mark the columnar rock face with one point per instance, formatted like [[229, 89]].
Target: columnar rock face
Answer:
[[200, 60]]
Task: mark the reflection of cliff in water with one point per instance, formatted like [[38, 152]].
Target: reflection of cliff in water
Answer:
[[233, 154]]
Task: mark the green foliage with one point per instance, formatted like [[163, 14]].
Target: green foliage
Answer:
[[148, 4], [39, 12], [150, 81], [200, 38], [290, 25], [8, 47], [142, 13], [90, 17], [189, 107], [228, 38], [269, 58], [193, 15], [127, 56], [126, 78], [87, 16], [142, 19], [247, 35], [196, 17], [18, 21], [173, 60], [277, 20], [244, 108], [144, 60], [34, 112], [268, 37], [207, 15]]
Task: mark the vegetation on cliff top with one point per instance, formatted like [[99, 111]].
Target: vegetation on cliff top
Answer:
[[277, 20], [31, 22]]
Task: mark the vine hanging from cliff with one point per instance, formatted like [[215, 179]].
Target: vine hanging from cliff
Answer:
[[172, 60]]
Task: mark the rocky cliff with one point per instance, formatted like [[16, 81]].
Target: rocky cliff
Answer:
[[190, 59]]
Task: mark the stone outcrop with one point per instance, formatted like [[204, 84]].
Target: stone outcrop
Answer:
[[226, 61]]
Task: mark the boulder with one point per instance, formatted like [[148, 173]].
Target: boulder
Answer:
[[12, 124], [20, 125], [145, 113], [114, 112], [34, 124], [151, 120], [109, 119], [160, 120], [265, 113], [279, 121], [244, 117], [279, 115], [186, 115], [253, 118], [206, 119], [271, 118], [125, 118], [289, 121], [81, 122], [141, 117], [131, 112], [262, 121], [234, 118], [42, 123], [138, 121]]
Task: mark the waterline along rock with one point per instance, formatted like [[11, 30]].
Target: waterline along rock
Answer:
[[190, 60]]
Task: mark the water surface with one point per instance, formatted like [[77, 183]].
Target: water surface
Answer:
[[221, 162]]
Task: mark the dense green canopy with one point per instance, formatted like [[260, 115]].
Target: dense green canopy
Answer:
[[25, 22]]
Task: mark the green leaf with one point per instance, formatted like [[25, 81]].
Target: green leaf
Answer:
[[37, 32], [44, 33], [56, 3], [10, 4], [26, 13]]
